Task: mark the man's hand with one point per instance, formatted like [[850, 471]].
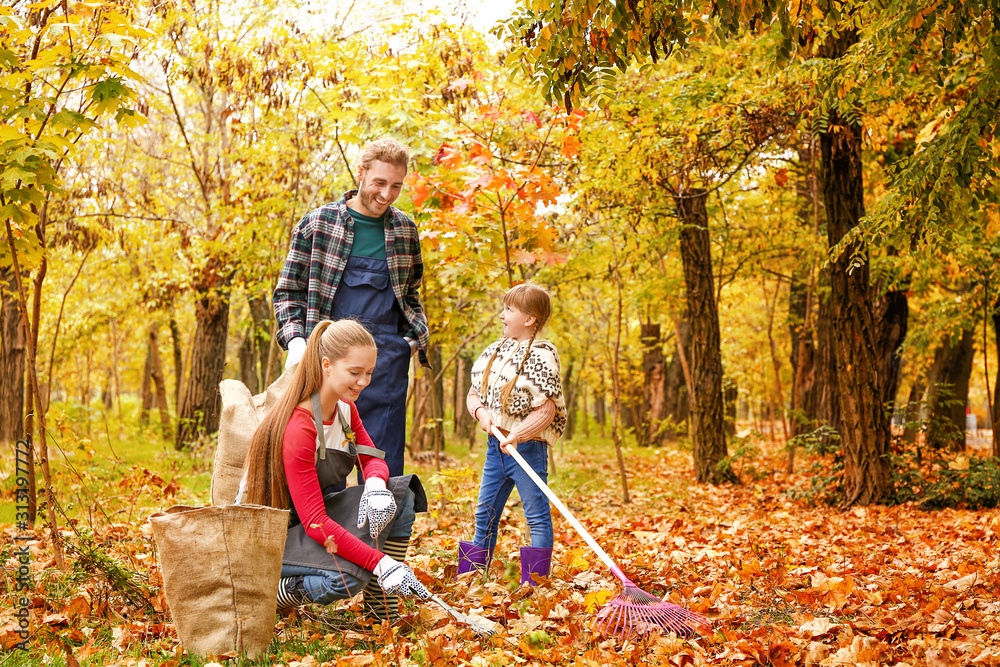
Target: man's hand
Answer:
[[412, 343], [296, 348], [377, 507], [396, 578]]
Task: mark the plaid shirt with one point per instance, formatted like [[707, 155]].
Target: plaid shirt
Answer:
[[321, 245]]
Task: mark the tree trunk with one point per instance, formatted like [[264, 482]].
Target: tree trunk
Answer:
[[911, 412], [567, 383], [600, 406], [255, 347], [995, 417], [85, 395], [778, 400], [709, 441], [802, 357], [465, 425], [199, 415], [248, 362], [147, 386], [865, 432], [802, 305], [827, 387], [419, 408], [175, 340], [12, 360], [114, 366], [156, 373], [675, 398], [950, 393], [107, 397], [436, 404], [616, 383], [654, 371], [730, 394], [892, 311]]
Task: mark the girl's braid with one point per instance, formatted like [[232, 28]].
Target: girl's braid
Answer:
[[506, 390], [485, 382]]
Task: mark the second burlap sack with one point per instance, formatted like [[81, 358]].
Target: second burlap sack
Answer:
[[241, 413]]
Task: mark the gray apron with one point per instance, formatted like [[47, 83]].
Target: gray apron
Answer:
[[333, 464]]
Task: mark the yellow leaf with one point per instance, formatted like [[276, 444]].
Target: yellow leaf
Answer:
[[577, 560], [596, 599]]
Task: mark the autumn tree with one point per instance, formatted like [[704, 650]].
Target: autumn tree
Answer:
[[573, 53], [63, 69]]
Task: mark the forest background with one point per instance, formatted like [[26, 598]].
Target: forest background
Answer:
[[771, 232]]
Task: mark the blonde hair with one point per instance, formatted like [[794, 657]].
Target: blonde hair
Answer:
[[532, 300], [386, 149], [264, 467]]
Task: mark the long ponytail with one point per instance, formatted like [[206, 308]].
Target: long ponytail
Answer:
[[264, 466]]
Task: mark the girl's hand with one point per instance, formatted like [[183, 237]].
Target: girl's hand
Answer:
[[509, 440], [485, 420]]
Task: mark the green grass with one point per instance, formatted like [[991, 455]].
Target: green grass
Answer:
[[113, 469]]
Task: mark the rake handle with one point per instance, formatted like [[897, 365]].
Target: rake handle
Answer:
[[591, 542]]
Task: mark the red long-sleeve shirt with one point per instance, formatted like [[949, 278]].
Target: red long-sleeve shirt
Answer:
[[298, 453]]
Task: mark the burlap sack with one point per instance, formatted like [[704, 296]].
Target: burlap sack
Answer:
[[220, 568], [241, 413]]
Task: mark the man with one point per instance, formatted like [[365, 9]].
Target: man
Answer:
[[360, 257]]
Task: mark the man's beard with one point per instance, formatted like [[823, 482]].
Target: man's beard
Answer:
[[368, 200]]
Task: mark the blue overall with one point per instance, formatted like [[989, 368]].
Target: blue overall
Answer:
[[365, 293]]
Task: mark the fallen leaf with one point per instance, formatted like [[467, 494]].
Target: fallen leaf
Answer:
[[964, 583], [816, 653], [526, 623], [122, 637], [78, 606], [356, 660], [819, 627]]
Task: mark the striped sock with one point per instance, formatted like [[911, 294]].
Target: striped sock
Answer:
[[378, 605]]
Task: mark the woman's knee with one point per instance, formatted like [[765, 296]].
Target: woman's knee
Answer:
[[405, 516], [329, 587]]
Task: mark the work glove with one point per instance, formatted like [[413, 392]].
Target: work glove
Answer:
[[377, 506], [412, 343], [296, 348], [397, 578]]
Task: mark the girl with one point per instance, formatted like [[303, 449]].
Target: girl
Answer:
[[517, 386], [310, 441]]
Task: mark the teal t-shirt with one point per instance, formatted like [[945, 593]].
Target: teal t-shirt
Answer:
[[369, 235]]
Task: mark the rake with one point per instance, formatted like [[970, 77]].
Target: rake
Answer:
[[481, 626], [634, 612]]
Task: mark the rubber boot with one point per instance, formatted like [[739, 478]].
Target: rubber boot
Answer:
[[291, 593], [535, 560], [379, 606], [471, 557]]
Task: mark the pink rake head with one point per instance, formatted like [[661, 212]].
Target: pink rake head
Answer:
[[635, 613]]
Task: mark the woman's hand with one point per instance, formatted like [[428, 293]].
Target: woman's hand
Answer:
[[397, 578], [377, 507]]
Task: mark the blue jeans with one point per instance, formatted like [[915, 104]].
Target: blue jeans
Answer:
[[501, 474], [326, 586]]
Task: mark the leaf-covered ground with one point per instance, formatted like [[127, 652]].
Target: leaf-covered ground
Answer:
[[784, 583]]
